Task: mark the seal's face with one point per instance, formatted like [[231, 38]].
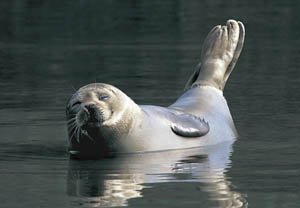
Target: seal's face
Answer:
[[91, 109], [98, 117]]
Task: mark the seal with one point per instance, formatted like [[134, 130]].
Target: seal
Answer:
[[103, 121]]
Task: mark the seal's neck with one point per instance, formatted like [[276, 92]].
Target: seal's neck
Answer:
[[123, 120]]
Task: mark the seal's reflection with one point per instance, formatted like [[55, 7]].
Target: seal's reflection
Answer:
[[112, 182]]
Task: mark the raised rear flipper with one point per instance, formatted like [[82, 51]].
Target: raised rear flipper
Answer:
[[187, 125], [220, 52]]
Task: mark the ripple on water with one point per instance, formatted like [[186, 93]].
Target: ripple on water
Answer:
[[27, 152]]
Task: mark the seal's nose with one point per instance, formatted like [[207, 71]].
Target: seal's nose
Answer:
[[91, 108]]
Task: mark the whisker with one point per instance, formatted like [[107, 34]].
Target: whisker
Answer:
[[72, 126], [78, 134], [72, 114], [71, 120], [74, 131], [73, 88], [86, 134]]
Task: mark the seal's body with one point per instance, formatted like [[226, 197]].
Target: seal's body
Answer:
[[204, 102], [102, 120]]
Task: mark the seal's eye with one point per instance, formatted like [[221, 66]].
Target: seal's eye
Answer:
[[103, 97], [76, 104]]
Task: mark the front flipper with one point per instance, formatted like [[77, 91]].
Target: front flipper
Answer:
[[187, 125]]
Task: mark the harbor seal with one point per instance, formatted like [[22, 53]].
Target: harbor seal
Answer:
[[103, 121]]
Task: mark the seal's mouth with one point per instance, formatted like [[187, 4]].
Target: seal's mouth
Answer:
[[91, 121], [91, 116]]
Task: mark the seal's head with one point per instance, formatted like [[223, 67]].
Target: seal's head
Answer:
[[97, 114]]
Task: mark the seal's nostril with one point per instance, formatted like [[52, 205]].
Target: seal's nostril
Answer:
[[92, 113], [90, 107], [91, 110]]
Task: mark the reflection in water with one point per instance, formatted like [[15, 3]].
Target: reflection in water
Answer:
[[112, 182], [99, 190]]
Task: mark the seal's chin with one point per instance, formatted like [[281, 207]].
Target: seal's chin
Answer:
[[92, 122]]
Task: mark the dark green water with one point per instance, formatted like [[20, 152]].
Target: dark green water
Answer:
[[148, 49]]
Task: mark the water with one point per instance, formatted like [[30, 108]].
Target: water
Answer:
[[148, 49]]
